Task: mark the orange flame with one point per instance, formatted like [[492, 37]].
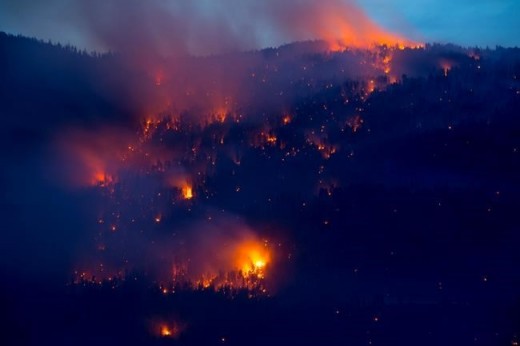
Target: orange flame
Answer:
[[167, 330], [252, 258], [182, 182], [187, 191]]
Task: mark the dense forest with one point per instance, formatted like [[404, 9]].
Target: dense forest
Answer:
[[396, 169]]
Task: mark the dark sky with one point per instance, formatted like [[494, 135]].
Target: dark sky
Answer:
[[203, 26]]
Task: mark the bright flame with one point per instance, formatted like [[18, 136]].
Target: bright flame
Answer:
[[252, 258], [187, 192], [183, 183]]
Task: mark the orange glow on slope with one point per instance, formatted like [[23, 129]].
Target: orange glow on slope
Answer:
[[220, 115], [102, 179], [446, 67], [94, 166], [92, 159], [159, 78], [356, 30]]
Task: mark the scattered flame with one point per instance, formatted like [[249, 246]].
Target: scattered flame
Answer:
[[326, 149], [371, 86], [149, 126], [355, 123], [184, 166], [271, 139]]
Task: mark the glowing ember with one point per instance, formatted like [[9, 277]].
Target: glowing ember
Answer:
[[355, 123], [166, 331]]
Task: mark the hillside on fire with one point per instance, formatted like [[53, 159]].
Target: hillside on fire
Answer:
[[308, 194]]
